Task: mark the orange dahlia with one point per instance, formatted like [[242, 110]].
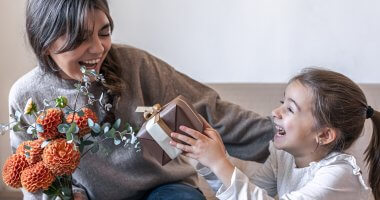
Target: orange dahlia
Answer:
[[36, 177], [50, 119], [35, 150], [12, 170], [61, 157], [82, 121]]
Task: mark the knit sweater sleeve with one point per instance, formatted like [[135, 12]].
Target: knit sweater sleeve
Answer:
[[245, 134]]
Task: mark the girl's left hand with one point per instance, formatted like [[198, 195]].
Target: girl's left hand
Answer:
[[207, 148]]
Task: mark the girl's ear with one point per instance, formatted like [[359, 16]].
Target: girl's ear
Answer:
[[327, 135]]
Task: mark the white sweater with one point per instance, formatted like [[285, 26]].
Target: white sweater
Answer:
[[335, 177]]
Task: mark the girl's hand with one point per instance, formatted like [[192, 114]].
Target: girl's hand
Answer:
[[207, 148]]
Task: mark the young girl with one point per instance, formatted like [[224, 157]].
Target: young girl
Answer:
[[322, 114]]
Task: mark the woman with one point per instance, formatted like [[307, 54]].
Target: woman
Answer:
[[67, 34]]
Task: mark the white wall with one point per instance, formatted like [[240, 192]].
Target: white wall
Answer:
[[15, 60], [255, 40]]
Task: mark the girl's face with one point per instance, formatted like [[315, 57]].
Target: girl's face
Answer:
[[294, 121], [90, 53]]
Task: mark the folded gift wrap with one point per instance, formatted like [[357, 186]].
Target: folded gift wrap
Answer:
[[154, 134]]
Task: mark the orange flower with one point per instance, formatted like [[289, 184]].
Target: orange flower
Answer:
[[12, 170], [50, 119], [35, 151], [61, 157], [36, 177], [82, 121]]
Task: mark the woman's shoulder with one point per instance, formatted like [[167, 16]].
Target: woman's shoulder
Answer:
[[28, 85], [25, 84]]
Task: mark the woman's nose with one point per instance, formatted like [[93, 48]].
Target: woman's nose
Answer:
[[96, 46]]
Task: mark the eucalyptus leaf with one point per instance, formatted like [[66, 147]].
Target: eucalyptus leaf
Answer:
[[90, 95], [17, 127], [81, 147], [90, 122], [96, 128], [116, 141], [69, 137], [83, 69], [27, 147], [18, 115], [30, 130], [39, 128], [106, 125], [63, 128], [77, 86], [46, 102], [45, 143], [87, 142], [106, 129], [72, 129], [116, 125], [80, 113], [111, 133]]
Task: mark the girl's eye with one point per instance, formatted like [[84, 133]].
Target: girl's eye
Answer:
[[290, 110], [282, 102]]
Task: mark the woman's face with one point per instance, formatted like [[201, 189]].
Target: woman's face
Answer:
[[295, 122], [91, 53]]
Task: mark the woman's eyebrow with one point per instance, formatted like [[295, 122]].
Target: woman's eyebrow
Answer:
[[105, 26]]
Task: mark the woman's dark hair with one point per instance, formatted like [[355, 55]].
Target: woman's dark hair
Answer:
[[340, 103], [47, 20]]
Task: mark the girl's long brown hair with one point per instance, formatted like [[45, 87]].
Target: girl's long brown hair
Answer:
[[340, 103]]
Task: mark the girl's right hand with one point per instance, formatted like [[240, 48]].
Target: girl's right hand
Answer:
[[206, 147]]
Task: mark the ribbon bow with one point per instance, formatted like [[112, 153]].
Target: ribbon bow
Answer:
[[149, 112]]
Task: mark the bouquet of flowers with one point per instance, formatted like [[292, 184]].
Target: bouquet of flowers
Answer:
[[60, 136]]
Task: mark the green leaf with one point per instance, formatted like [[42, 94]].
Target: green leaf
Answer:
[[18, 115], [96, 128], [116, 125], [39, 128], [81, 147], [69, 137], [106, 129], [45, 143], [95, 148], [72, 128], [83, 69], [80, 113], [111, 133], [90, 122], [66, 192], [27, 154], [63, 128], [87, 142], [17, 127], [27, 147], [116, 141], [30, 130]]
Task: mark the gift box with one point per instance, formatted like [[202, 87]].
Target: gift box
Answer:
[[154, 135]]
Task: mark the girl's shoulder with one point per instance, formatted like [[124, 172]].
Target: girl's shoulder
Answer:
[[342, 168]]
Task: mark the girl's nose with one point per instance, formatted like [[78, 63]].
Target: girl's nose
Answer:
[[276, 113]]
